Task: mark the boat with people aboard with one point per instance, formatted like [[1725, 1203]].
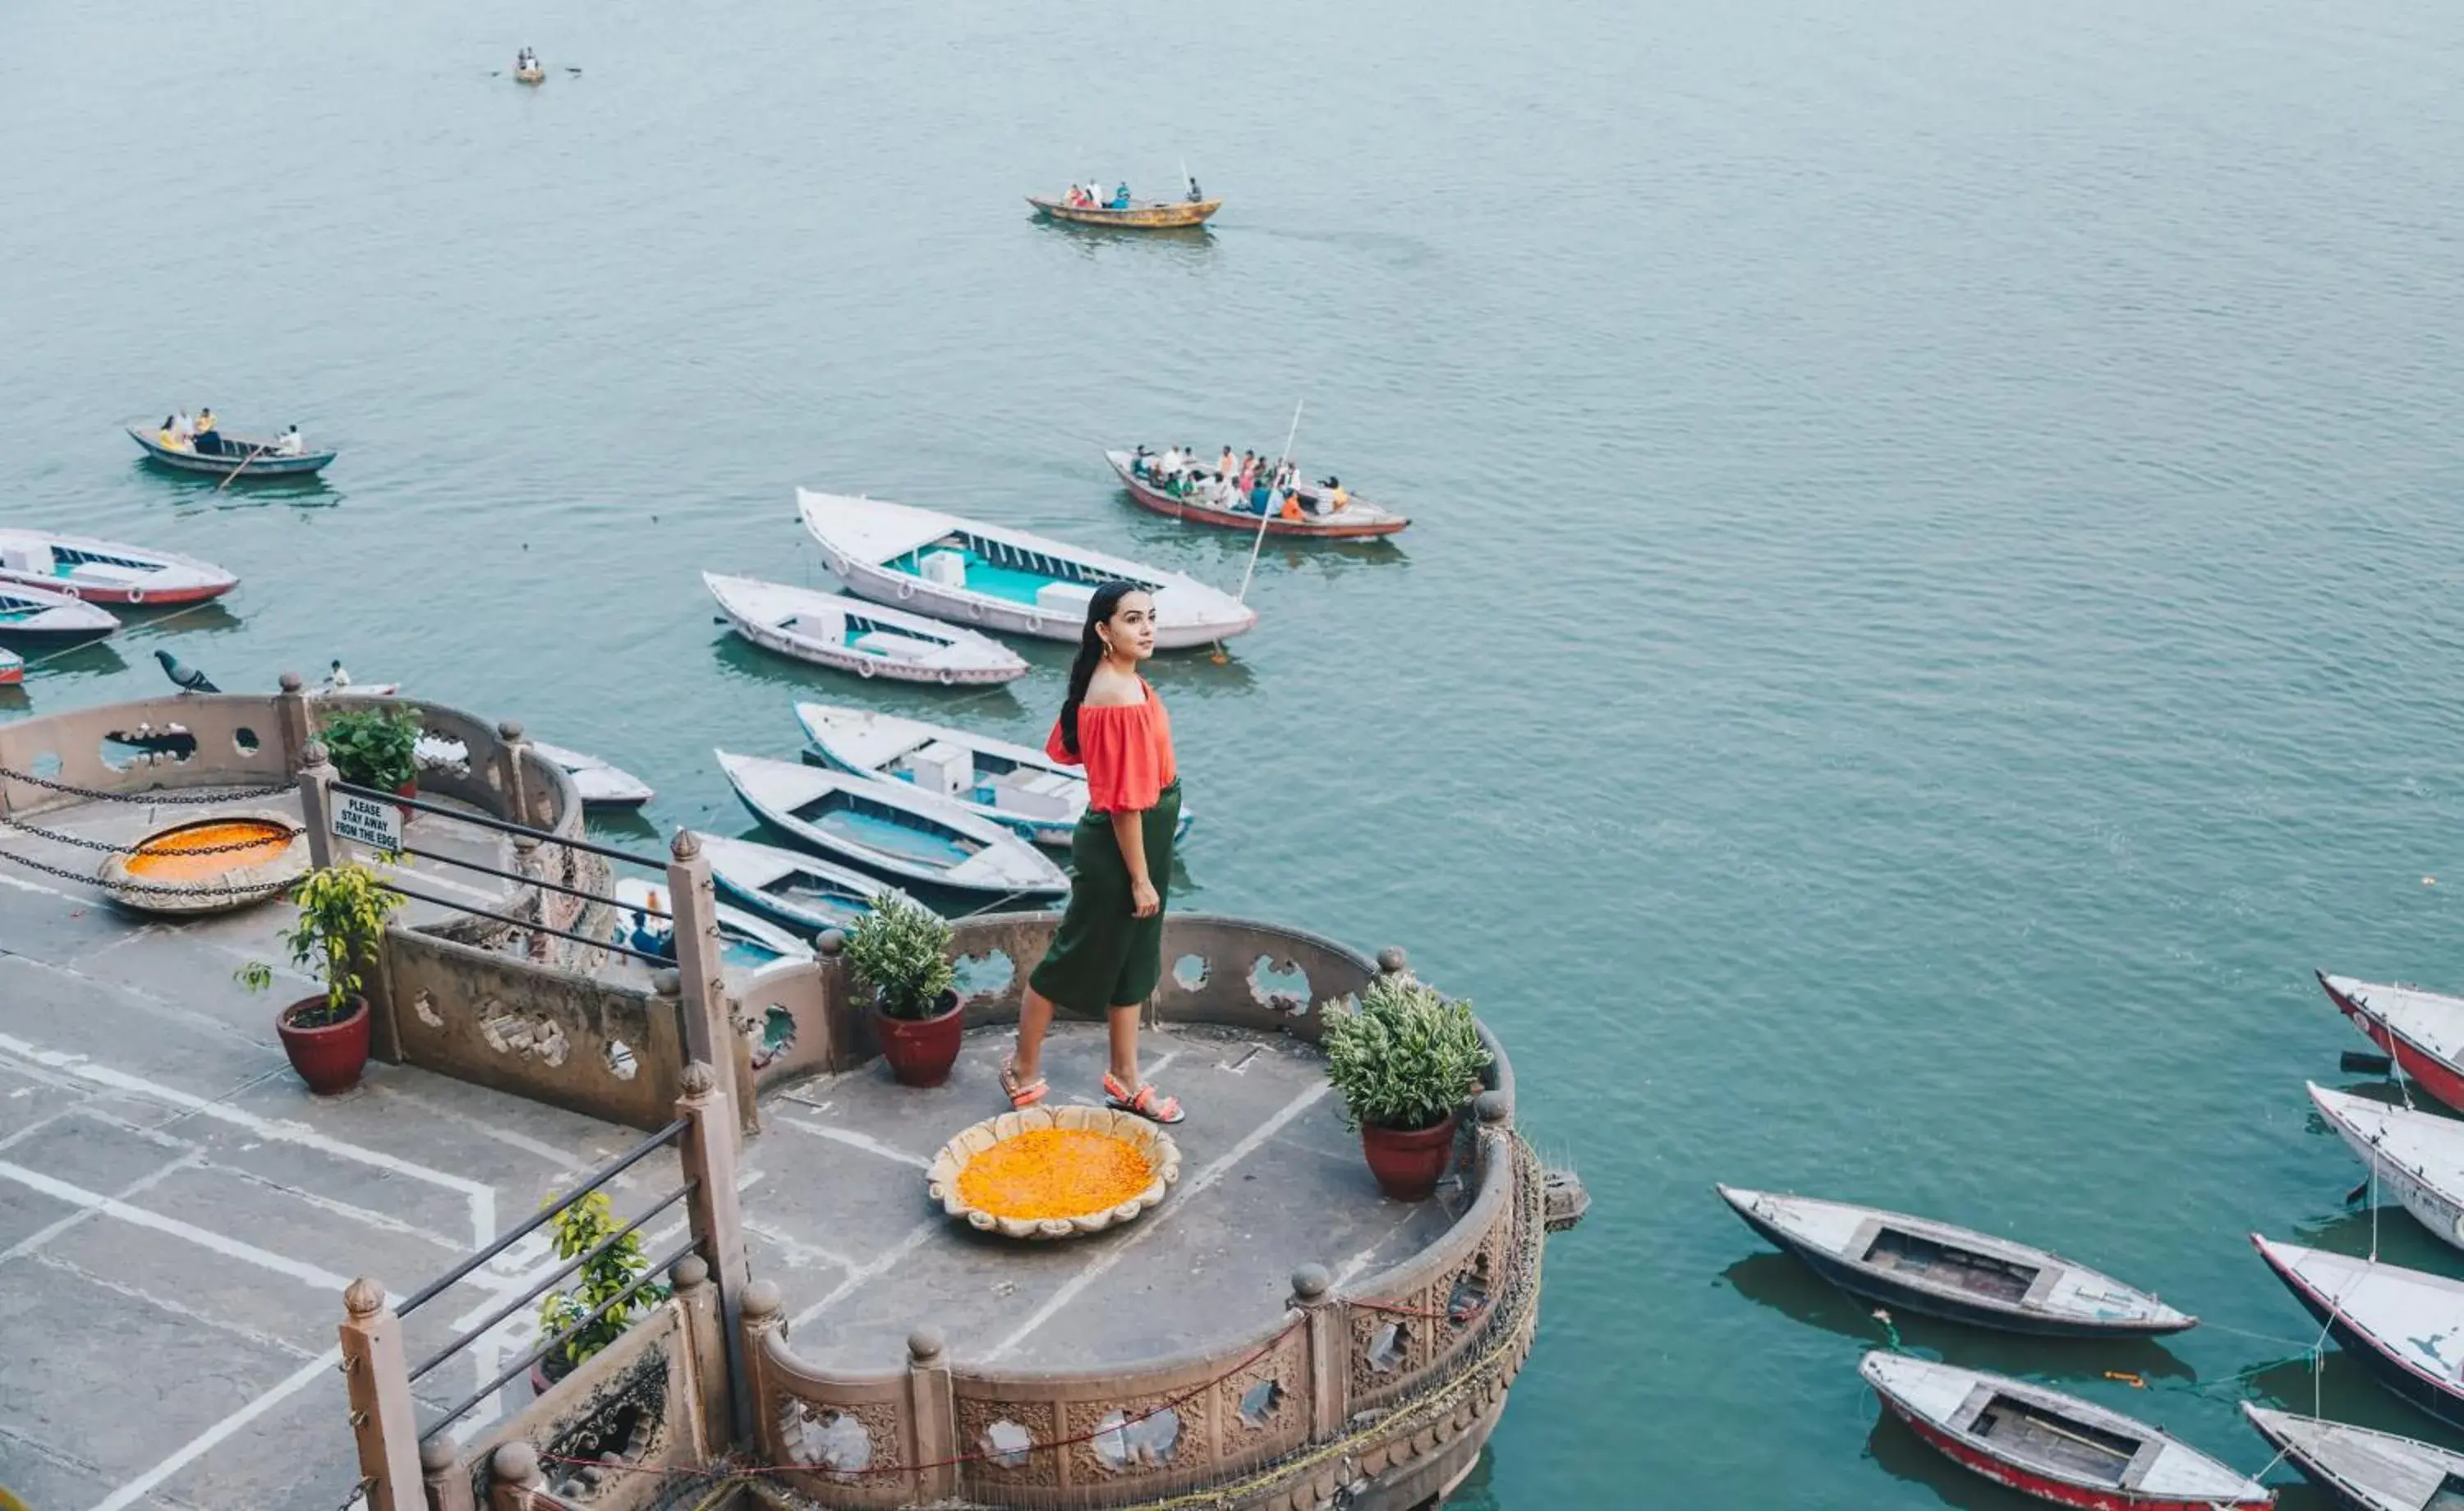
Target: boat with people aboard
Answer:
[[1175, 482], [890, 828], [36, 612], [527, 69], [2055, 1447], [2363, 1468], [999, 578], [644, 921], [2423, 1031], [798, 890], [830, 629], [106, 571], [218, 454], [1088, 205]]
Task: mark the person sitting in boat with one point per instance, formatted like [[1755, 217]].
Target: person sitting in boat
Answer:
[[1195, 197], [204, 438], [1291, 509], [1121, 196], [337, 679], [183, 427], [1336, 495], [170, 438], [289, 444]]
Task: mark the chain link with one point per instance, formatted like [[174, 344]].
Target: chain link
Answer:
[[266, 889], [109, 848], [151, 799]]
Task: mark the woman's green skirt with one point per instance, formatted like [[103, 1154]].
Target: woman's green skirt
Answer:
[[1101, 956]]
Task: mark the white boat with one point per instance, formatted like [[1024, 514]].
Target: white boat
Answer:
[[2052, 1446], [748, 943], [13, 667], [26, 612], [601, 785], [2418, 1157], [107, 572], [830, 629], [889, 827], [2366, 1469], [969, 572], [1010, 784], [809, 893], [2407, 1325]]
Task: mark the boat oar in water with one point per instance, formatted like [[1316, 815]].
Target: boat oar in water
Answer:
[[242, 466], [1258, 542]]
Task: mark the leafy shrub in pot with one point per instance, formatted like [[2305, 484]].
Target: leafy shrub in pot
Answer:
[[901, 952], [339, 927], [375, 747], [1404, 1059], [578, 1229]]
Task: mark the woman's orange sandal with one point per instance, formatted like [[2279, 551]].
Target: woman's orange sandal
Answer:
[[1146, 1102], [1021, 1096]]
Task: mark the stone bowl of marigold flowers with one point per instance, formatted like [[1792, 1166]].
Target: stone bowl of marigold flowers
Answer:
[[1054, 1173]]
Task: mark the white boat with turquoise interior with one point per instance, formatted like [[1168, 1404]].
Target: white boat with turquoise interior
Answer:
[[806, 893], [830, 629], [891, 827], [993, 577], [28, 612], [106, 571], [1010, 784], [601, 785]]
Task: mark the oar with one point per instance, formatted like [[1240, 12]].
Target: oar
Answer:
[[1259, 544], [242, 466]]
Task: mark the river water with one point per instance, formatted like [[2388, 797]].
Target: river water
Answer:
[[1932, 604]]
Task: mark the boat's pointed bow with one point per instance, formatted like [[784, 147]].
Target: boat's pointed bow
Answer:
[[1738, 1196]]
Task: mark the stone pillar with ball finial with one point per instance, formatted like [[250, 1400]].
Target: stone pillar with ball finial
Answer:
[[316, 803], [693, 907], [707, 1151], [933, 1405], [377, 1382], [1328, 1330]]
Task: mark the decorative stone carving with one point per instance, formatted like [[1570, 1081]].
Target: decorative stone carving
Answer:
[[512, 1033], [1009, 1462], [1129, 1438]]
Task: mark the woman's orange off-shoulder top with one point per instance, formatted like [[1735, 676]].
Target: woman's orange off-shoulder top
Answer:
[[1127, 750]]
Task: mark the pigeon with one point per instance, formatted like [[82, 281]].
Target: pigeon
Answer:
[[188, 679]]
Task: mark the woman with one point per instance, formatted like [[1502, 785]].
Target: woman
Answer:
[[1108, 952]]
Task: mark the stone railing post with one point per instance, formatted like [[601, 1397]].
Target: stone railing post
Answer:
[[316, 803], [933, 1405], [706, 1344], [707, 1151], [290, 716], [764, 1315], [694, 907], [838, 1012], [1392, 961], [513, 1475], [510, 744], [440, 1467], [378, 1384], [1329, 1331]]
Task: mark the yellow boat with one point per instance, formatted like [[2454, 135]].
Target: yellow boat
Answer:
[[530, 75], [1152, 215]]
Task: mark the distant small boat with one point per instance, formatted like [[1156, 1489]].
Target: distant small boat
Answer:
[[748, 943], [969, 572], [2053, 1446], [2418, 1157], [246, 457], [1925, 1266], [530, 75], [601, 785], [2423, 1030], [13, 667], [1141, 216], [1357, 520], [804, 893], [107, 572], [2398, 1322], [28, 613], [832, 630], [889, 827], [2365, 1470]]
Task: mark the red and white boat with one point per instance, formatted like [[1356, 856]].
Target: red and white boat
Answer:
[[2423, 1030], [2052, 1446], [106, 571]]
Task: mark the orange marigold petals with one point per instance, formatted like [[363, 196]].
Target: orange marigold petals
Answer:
[[1054, 1173], [198, 851]]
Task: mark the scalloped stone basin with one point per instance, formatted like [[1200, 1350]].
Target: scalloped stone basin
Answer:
[[946, 1177], [209, 864]]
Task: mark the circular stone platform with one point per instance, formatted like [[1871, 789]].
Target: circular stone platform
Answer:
[[1270, 1180]]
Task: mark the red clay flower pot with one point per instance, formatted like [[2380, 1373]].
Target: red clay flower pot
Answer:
[[330, 1058], [1408, 1164], [920, 1050]]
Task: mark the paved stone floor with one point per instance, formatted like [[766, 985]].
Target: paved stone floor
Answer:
[[178, 1216]]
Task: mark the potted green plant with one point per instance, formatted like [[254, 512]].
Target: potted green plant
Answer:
[[342, 914], [901, 952], [1404, 1059], [579, 1228], [375, 747]]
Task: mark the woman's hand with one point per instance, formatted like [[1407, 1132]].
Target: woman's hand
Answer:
[[1144, 901]]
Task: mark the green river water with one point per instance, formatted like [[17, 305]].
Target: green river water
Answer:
[[1932, 604]]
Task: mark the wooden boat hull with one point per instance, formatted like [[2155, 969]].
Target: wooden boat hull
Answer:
[[2418, 1157], [990, 857], [107, 571], [2434, 1065], [530, 75], [263, 465], [2433, 1392], [2055, 1314], [1167, 215], [601, 785], [2360, 1468], [1364, 526], [772, 615], [745, 871]]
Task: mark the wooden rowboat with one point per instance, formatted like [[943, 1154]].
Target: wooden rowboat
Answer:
[[1141, 216], [2364, 1470], [106, 571], [2053, 1446], [1356, 520], [807, 894], [245, 458], [530, 75], [2423, 1030], [2417, 1157], [1022, 789], [2401, 1322], [28, 613], [890, 828], [1925, 1266], [832, 630], [973, 573], [601, 785]]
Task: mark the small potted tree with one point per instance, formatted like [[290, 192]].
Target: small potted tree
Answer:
[[342, 912], [581, 1228], [1405, 1060], [376, 748], [901, 952]]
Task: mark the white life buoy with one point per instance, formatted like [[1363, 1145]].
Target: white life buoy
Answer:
[[975, 610], [136, 595], [946, 677], [1035, 623], [906, 588], [865, 666]]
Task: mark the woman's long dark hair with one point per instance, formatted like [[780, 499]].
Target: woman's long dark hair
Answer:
[[1100, 610]]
